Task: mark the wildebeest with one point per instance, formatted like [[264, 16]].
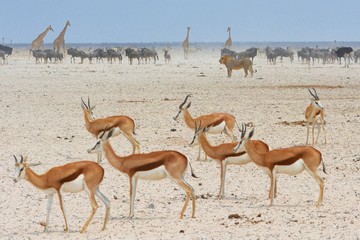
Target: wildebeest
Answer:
[[52, 54], [344, 52], [356, 55], [6, 49], [248, 53], [3, 56], [113, 55], [280, 52], [147, 54], [228, 52], [131, 54], [39, 55]]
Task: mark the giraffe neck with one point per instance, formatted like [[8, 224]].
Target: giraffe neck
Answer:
[[187, 35], [62, 34], [43, 34]]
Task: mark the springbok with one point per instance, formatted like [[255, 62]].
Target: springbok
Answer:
[[148, 166], [122, 124], [216, 122], [223, 153], [291, 161], [314, 110], [72, 177]]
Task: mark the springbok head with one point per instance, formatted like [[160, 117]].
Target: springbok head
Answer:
[[243, 138], [316, 100], [20, 166], [87, 107], [101, 140], [182, 108], [50, 28], [197, 133]]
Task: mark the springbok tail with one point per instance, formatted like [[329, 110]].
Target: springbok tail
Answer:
[[323, 165], [192, 171]]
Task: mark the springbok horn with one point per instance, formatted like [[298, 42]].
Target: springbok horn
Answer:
[[22, 159], [182, 104], [243, 130], [89, 102], [84, 103], [15, 159], [317, 97], [102, 134], [312, 93]]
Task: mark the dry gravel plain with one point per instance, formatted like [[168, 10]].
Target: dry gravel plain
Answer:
[[41, 117]]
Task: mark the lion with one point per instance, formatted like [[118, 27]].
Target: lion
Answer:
[[231, 63]]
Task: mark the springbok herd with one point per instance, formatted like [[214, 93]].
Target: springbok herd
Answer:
[[88, 175]]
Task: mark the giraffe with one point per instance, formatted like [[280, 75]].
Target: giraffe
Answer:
[[186, 44], [39, 41], [59, 42], [228, 42]]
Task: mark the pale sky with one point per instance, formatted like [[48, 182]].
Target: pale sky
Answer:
[[103, 21]]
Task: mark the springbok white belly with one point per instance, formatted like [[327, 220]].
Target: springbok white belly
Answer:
[[76, 185], [153, 174], [217, 129], [293, 169], [240, 160]]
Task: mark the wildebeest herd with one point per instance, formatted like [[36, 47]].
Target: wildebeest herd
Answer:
[[305, 54], [145, 55]]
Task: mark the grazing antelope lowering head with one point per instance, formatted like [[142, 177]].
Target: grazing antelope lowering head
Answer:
[[291, 161], [223, 153], [314, 111], [216, 122], [72, 177], [121, 124], [148, 166]]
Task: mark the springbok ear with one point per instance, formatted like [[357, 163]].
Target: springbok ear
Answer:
[[251, 133], [92, 108], [33, 164], [188, 105]]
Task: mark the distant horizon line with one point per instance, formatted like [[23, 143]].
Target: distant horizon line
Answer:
[[198, 44]]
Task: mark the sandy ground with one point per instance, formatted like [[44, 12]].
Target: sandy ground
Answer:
[[41, 117]]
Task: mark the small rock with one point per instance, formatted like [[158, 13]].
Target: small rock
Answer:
[[173, 130], [231, 216], [151, 206], [181, 231]]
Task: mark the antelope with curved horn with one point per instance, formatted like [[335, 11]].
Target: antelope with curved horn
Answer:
[[291, 161], [313, 111], [148, 166], [223, 153], [72, 177], [122, 124], [215, 122]]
